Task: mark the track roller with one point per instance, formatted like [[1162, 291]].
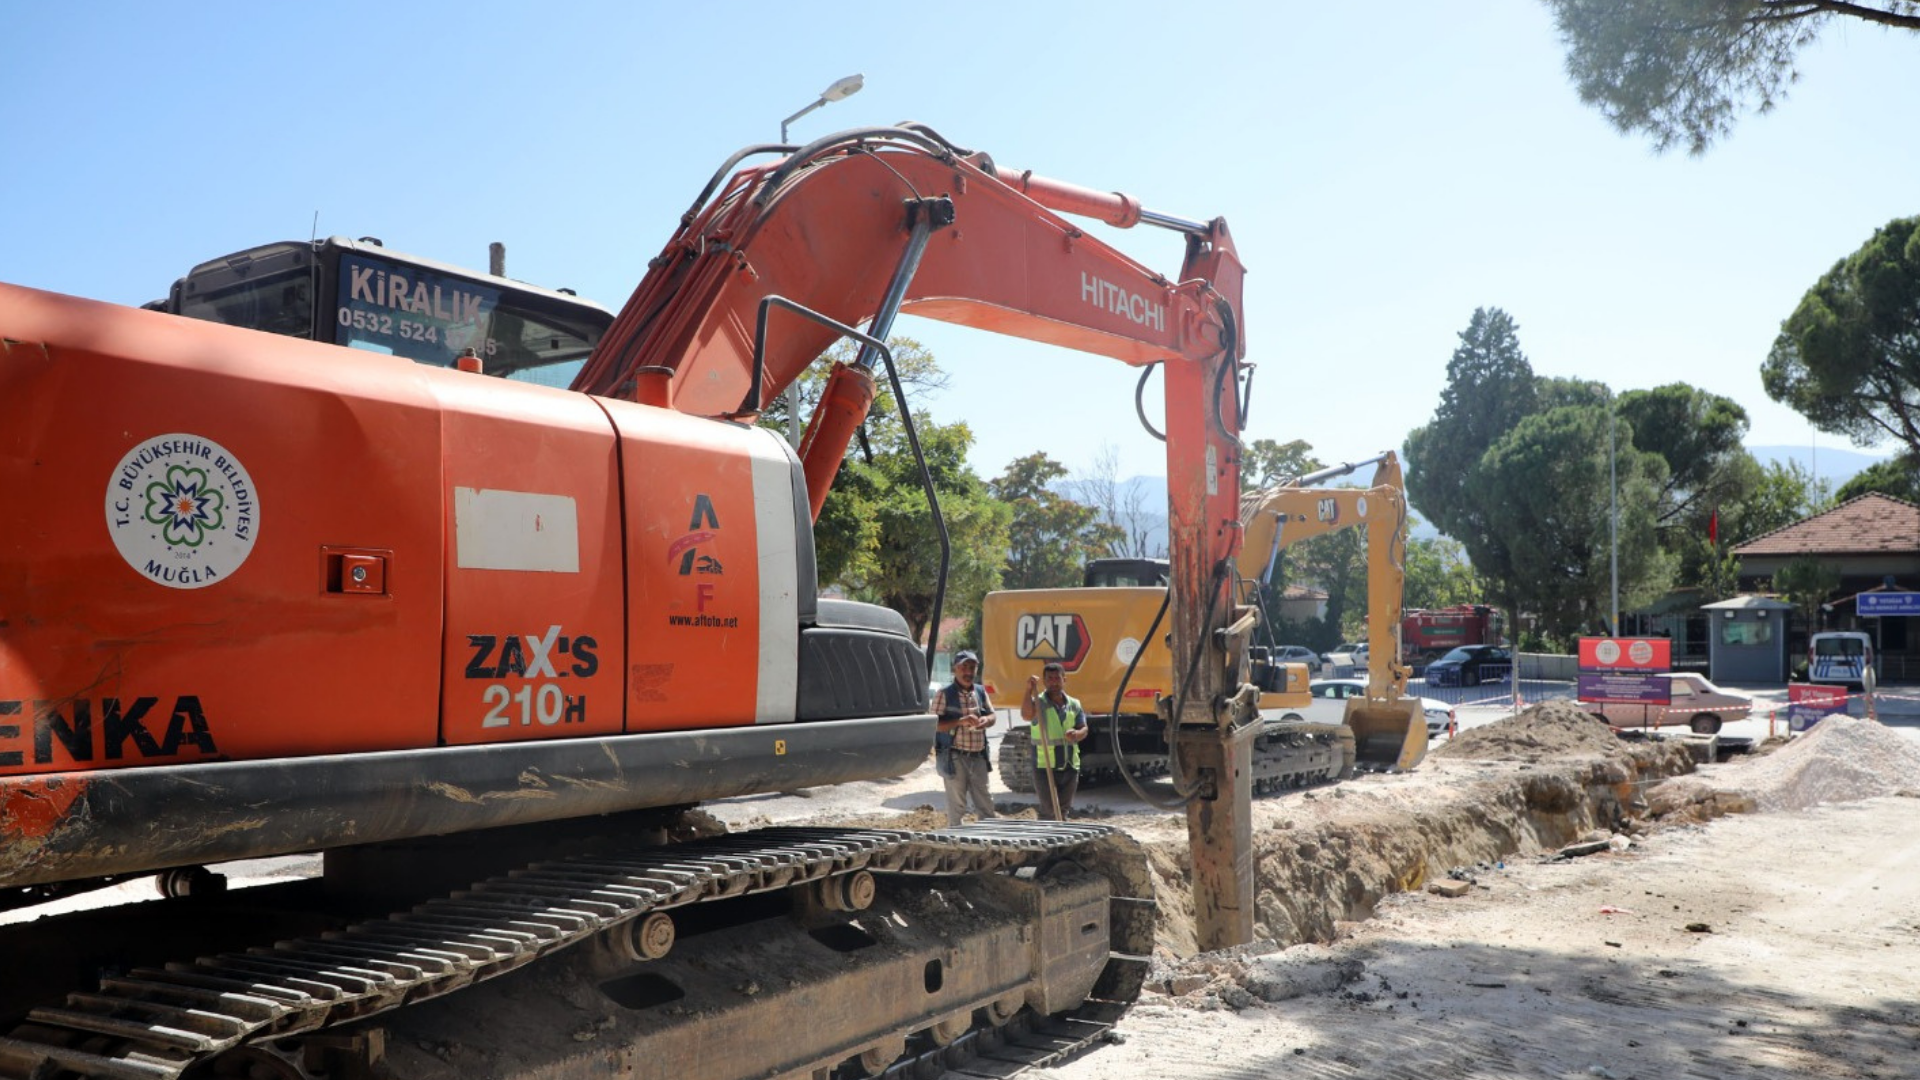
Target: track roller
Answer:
[[846, 892]]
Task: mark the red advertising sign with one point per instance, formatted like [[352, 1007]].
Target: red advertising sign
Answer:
[[1605, 654], [1808, 702]]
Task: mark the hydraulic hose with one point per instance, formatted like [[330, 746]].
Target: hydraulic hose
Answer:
[[1113, 722], [1140, 402], [1221, 572], [828, 143]]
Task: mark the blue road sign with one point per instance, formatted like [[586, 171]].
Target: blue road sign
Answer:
[[1888, 603]]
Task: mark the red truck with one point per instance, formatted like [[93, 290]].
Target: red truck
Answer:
[[1428, 633]]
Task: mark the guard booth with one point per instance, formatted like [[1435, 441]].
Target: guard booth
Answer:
[[1747, 640]]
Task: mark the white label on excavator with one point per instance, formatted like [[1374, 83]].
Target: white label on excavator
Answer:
[[775, 517], [515, 530], [1213, 469]]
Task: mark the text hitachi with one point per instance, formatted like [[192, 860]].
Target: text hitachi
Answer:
[[1107, 295]]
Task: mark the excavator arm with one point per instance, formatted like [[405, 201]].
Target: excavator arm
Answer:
[[770, 265], [1388, 726]]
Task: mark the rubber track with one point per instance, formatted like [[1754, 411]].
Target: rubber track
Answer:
[[153, 1024], [1276, 761]]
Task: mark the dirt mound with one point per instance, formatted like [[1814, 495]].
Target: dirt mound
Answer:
[[1549, 730], [1842, 759]]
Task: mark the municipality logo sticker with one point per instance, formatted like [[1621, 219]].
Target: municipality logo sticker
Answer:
[[182, 511]]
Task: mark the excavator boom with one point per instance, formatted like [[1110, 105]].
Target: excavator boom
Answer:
[[949, 224]]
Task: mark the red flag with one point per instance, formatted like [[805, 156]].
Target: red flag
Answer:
[[1713, 526]]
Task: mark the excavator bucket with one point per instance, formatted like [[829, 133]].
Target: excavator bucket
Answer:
[[1388, 735]]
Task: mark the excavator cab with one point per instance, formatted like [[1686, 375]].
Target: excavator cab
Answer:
[[1124, 573], [363, 295]]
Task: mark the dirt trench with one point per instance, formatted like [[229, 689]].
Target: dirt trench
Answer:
[[1525, 785]]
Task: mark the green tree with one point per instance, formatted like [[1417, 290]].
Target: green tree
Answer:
[[1785, 493], [1337, 564], [1848, 358], [919, 374], [1682, 70], [1698, 434], [1439, 575], [901, 568], [1543, 489], [1806, 583], [1709, 476], [847, 532], [1896, 476], [1050, 536], [875, 536], [1267, 461], [1490, 386]]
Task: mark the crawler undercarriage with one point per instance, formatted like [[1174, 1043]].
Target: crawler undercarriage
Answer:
[[1285, 755], [780, 953]]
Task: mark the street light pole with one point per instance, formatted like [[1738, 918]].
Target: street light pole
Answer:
[[1613, 513], [840, 90]]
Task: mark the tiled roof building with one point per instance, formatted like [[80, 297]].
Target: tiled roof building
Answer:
[[1872, 524], [1874, 543]]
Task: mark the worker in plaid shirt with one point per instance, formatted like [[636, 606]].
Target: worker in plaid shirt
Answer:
[[960, 740]]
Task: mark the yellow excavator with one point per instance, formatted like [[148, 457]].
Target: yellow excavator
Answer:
[[1104, 633]]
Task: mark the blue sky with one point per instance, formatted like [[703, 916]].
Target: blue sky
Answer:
[[1385, 169]]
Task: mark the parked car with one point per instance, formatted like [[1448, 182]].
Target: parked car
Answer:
[[1695, 702], [1296, 654], [1339, 661], [1471, 665], [1329, 705]]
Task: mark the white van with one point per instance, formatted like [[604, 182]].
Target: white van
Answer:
[[1840, 656]]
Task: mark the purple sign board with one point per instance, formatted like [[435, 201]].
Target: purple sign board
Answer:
[[1626, 689]]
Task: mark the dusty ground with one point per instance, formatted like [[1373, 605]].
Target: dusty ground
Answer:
[[1768, 945], [1756, 919]]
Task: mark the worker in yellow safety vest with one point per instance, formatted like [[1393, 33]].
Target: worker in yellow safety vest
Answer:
[[1057, 724]]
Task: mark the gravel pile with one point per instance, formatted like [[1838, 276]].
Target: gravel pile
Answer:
[[1842, 759]]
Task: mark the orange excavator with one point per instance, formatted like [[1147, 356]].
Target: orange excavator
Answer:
[[481, 643]]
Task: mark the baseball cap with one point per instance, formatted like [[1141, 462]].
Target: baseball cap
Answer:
[[963, 656]]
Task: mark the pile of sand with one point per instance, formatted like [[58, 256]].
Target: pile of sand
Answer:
[[1842, 759], [1549, 730]]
